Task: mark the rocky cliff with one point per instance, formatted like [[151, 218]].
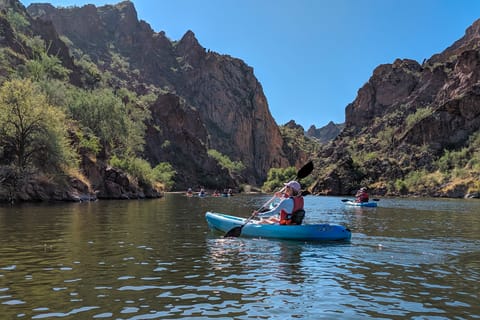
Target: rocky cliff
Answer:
[[407, 117], [206, 100]]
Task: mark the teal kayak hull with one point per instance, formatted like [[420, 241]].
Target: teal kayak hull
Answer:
[[361, 204], [307, 232]]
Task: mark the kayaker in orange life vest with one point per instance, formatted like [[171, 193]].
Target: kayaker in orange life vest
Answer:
[[362, 195], [290, 208]]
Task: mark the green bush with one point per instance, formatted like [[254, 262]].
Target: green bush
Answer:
[[419, 115], [140, 170], [401, 186], [419, 181], [453, 159], [164, 173], [17, 20], [234, 167], [42, 66]]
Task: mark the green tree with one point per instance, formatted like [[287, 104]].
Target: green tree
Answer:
[[102, 112], [164, 173], [117, 120], [137, 112], [30, 128], [277, 176]]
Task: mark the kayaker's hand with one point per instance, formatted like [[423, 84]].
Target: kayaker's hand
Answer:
[[255, 212]]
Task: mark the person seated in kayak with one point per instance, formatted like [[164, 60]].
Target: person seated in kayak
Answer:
[[362, 195], [290, 208]]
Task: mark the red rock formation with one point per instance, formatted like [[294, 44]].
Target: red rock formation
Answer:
[[221, 92]]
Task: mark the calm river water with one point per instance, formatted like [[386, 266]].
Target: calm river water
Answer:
[[157, 259]]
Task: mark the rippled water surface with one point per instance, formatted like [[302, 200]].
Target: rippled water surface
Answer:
[[156, 259]]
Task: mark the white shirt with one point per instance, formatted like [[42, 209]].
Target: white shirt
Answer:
[[287, 204]]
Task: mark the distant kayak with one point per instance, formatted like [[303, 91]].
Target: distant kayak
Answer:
[[361, 204], [305, 232]]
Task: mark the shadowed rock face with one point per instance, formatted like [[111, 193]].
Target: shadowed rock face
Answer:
[[223, 105], [449, 90]]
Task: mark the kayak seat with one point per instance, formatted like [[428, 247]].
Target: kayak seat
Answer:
[[297, 217]]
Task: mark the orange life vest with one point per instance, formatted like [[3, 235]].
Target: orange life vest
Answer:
[[296, 216]]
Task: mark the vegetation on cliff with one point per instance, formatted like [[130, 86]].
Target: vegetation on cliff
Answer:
[[47, 124], [233, 167], [203, 100]]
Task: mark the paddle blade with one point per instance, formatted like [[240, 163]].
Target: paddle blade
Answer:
[[305, 170], [234, 232], [345, 200]]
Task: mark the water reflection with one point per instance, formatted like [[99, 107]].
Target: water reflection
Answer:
[[157, 259], [282, 259]]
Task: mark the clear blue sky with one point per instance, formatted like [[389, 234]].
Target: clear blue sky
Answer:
[[311, 56]]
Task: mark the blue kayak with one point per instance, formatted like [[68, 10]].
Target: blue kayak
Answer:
[[306, 232], [361, 204]]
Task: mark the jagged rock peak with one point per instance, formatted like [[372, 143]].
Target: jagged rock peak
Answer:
[[189, 37], [313, 128], [190, 48], [293, 125], [189, 42], [326, 133]]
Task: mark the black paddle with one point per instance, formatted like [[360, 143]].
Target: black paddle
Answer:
[[302, 173]]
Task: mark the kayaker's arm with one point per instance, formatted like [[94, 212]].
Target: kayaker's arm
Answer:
[[286, 204]]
